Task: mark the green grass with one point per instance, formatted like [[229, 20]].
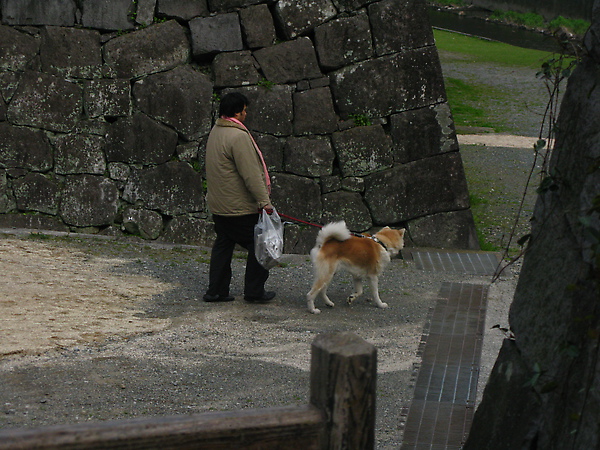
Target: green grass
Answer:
[[576, 26], [467, 103], [531, 20], [484, 51]]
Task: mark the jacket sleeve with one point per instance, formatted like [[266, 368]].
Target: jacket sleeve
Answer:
[[250, 168]]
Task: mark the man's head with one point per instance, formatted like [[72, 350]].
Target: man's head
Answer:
[[233, 105]]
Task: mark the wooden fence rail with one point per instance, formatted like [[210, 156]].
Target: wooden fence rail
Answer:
[[341, 415]]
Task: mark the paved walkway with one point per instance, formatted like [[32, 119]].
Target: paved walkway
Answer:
[[442, 408]]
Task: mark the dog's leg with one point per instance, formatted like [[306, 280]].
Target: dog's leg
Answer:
[[374, 283], [310, 298], [324, 295], [320, 287], [358, 289]]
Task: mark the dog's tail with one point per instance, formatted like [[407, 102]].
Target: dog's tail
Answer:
[[334, 230]]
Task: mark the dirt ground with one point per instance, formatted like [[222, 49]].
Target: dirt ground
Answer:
[[53, 297], [95, 329]]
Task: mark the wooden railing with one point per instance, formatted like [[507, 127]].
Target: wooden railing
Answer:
[[341, 415]]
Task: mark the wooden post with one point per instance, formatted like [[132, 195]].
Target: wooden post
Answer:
[[342, 383]]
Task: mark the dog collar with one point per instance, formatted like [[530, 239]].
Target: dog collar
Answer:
[[379, 242]]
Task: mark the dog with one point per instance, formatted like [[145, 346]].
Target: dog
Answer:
[[364, 257]]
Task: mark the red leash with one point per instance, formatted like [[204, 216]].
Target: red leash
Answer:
[[298, 220], [353, 233]]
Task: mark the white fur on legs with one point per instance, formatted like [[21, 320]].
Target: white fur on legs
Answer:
[[320, 289], [374, 282], [358, 289]]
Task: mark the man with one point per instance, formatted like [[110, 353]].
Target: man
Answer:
[[238, 188]]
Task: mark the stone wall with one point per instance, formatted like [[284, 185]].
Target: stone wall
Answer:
[[105, 108], [544, 390]]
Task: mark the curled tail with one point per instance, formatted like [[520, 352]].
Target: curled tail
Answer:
[[335, 230]]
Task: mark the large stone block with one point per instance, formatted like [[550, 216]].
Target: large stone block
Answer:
[[173, 188], [24, 148], [297, 196], [71, 52], [17, 49], [89, 201], [181, 98], [9, 81], [108, 14], [347, 206], [363, 150], [228, 5], [310, 156], [47, 102], [344, 41], [417, 189], [107, 98], [79, 153], [296, 18], [349, 5], [257, 26], [182, 9], [455, 229], [147, 224], [400, 25], [314, 112], [144, 14], [272, 149], [153, 49], [382, 86], [423, 132], [270, 109], [139, 139], [189, 230], [220, 33], [36, 192], [299, 239], [289, 61], [233, 69], [32, 222], [35, 12], [7, 201]]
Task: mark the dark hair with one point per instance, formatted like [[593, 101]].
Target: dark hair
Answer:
[[232, 103]]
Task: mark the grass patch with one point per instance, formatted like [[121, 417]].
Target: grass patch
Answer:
[[575, 26], [531, 20], [468, 104], [484, 51]]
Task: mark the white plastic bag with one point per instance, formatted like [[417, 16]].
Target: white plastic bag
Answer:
[[268, 239]]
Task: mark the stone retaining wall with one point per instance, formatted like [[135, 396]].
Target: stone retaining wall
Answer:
[[105, 108]]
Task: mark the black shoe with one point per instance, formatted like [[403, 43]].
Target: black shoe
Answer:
[[265, 298], [217, 298]]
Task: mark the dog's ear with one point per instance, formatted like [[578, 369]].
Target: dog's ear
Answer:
[[402, 231]]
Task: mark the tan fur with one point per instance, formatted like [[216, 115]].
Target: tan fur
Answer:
[[363, 257]]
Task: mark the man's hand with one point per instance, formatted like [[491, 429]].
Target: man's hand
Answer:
[[269, 208]]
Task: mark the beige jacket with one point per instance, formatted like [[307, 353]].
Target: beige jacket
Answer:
[[234, 172]]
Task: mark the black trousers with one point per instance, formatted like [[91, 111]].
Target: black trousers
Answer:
[[233, 230]]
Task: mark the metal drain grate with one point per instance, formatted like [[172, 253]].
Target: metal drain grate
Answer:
[[480, 263], [441, 412]]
